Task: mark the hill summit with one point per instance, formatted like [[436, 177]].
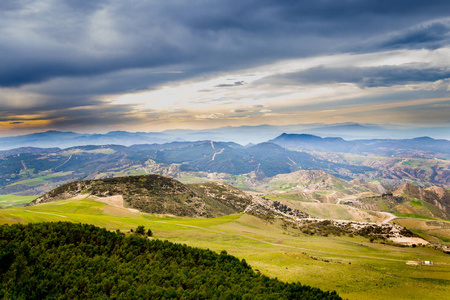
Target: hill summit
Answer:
[[158, 194]]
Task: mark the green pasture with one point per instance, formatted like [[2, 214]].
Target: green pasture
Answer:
[[415, 216], [10, 200], [354, 267]]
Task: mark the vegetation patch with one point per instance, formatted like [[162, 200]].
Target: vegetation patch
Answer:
[[376, 179], [291, 197], [66, 260], [415, 203], [369, 231], [414, 216]]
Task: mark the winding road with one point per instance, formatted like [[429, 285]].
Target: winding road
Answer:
[[391, 217]]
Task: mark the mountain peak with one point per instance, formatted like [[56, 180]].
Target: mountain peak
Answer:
[[423, 138]]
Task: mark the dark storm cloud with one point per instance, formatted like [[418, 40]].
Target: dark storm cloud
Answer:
[[41, 41], [364, 77], [111, 83], [66, 55], [429, 36]]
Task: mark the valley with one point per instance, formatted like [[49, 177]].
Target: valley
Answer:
[[342, 221]]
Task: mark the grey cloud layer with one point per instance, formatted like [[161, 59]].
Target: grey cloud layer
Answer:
[[365, 76], [46, 39]]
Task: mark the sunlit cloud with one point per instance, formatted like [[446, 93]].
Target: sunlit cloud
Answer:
[[220, 97]]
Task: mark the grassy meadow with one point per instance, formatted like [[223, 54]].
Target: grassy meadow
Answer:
[[11, 200], [354, 267]]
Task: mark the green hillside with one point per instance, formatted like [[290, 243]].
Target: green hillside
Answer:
[[354, 267]]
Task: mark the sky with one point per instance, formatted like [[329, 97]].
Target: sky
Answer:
[[152, 65]]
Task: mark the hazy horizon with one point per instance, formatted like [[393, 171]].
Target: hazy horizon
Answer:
[[243, 135]]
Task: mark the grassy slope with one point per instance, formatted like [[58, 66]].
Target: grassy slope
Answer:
[[8, 200], [356, 268], [434, 230]]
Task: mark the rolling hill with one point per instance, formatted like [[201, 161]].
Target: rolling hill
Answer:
[[157, 194]]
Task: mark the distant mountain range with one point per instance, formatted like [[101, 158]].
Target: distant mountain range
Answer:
[[59, 166], [32, 171], [242, 135], [61, 139], [350, 131], [416, 147]]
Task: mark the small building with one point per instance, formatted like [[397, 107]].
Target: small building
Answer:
[[427, 263]]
